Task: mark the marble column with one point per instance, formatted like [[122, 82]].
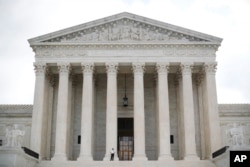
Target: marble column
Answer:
[[179, 103], [188, 111], [139, 115], [199, 83], [214, 132], [39, 109], [87, 113], [111, 111], [61, 138], [163, 112], [51, 87], [74, 81]]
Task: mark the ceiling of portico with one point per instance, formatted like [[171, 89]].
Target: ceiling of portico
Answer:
[[124, 28]]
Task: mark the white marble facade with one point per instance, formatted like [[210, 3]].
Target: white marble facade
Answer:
[[170, 85]]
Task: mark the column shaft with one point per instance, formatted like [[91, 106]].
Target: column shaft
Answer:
[[188, 111], [214, 133], [37, 132], [179, 98], [111, 112], [139, 115], [199, 83], [51, 86], [61, 138], [163, 113], [87, 113]]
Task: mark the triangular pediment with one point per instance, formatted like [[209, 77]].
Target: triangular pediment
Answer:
[[123, 28]]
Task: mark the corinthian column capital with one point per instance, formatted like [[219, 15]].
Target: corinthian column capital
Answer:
[[162, 68], [40, 68], [64, 67], [210, 68], [138, 68], [186, 68], [112, 68], [87, 67]]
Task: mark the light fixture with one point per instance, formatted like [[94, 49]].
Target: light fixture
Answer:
[[125, 99]]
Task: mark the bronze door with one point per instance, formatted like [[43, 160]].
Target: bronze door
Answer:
[[126, 148]]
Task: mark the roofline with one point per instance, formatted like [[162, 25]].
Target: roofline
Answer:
[[117, 17]]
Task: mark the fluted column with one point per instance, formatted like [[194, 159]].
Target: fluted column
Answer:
[[37, 132], [139, 115], [61, 138], [51, 87], [163, 112], [111, 112], [87, 113], [214, 133], [199, 83], [179, 99], [188, 111]]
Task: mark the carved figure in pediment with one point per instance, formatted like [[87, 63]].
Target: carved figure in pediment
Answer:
[[145, 35], [89, 36], [103, 35], [95, 36], [125, 31], [115, 33], [125, 34], [135, 33]]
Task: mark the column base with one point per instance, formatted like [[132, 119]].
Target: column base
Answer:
[[85, 158], [165, 157], [191, 157], [59, 157], [140, 157]]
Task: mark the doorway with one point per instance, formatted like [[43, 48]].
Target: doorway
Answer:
[[125, 139]]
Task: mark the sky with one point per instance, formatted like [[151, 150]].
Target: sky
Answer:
[[21, 20]]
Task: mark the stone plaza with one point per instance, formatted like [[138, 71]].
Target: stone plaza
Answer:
[[141, 86]]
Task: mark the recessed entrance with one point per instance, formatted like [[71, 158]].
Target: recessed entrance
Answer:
[[125, 139]]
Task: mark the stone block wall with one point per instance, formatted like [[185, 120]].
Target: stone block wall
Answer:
[[235, 124]]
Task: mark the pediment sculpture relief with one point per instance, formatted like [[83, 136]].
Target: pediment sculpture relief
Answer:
[[124, 30]]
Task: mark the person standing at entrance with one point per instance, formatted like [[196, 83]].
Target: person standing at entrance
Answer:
[[112, 154]]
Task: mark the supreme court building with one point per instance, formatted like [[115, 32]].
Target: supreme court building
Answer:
[[141, 86]]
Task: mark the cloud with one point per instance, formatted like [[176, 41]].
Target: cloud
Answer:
[[21, 20]]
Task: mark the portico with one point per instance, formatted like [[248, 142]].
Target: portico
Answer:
[[170, 84]]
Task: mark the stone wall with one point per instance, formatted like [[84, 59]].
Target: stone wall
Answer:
[[235, 124], [15, 125]]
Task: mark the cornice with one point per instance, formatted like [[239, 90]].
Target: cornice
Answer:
[[124, 45], [16, 110], [214, 44], [240, 110]]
